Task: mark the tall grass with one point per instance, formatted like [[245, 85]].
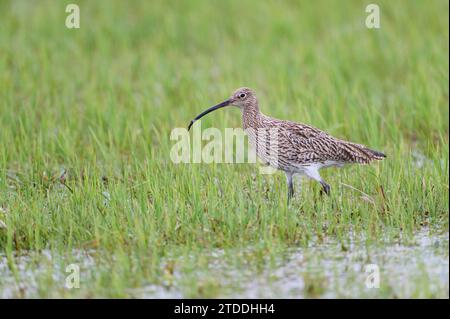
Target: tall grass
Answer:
[[100, 102]]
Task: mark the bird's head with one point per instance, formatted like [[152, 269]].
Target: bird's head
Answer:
[[242, 98]]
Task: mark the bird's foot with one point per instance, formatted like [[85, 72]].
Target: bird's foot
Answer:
[[290, 195], [325, 188]]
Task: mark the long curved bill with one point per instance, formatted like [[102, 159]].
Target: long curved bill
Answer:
[[213, 108]]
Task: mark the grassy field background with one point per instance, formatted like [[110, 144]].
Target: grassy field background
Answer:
[[99, 103]]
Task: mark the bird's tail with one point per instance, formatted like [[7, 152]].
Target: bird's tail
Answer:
[[361, 154], [376, 155]]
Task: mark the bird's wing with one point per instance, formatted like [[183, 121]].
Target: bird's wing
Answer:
[[311, 145]]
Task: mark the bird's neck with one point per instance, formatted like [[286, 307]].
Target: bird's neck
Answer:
[[251, 116]]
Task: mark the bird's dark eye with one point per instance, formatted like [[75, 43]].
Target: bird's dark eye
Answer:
[[242, 95]]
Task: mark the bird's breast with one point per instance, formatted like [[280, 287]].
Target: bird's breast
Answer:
[[266, 144]]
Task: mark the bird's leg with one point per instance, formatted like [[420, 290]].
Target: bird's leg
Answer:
[[290, 191], [313, 173], [290, 186], [326, 188]]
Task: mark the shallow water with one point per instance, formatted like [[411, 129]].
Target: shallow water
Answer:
[[329, 270], [33, 267]]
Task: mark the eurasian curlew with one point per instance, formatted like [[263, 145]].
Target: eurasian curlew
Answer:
[[293, 147]]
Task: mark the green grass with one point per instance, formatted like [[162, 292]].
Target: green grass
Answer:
[[100, 102]]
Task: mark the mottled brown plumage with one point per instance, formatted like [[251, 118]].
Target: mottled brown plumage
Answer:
[[293, 147]]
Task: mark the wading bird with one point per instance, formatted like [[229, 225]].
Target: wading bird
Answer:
[[291, 147]]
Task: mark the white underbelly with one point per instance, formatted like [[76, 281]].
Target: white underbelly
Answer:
[[301, 168]]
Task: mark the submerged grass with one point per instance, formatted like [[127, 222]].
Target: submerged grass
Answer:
[[86, 117]]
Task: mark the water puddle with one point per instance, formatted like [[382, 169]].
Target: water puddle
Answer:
[[419, 269], [32, 269], [330, 270]]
